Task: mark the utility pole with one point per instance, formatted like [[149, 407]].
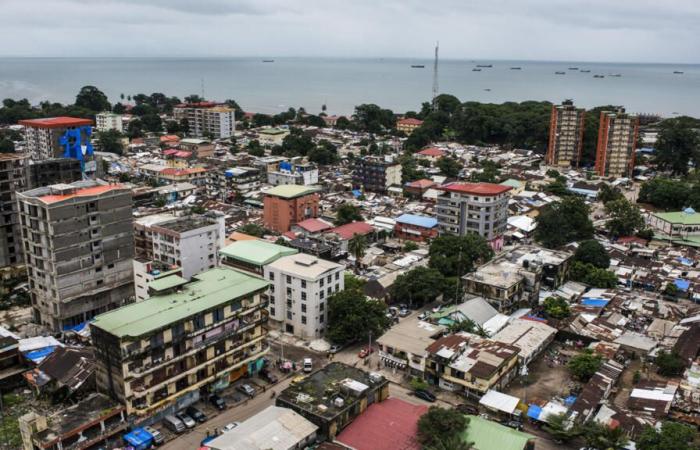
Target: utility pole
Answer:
[[436, 87]]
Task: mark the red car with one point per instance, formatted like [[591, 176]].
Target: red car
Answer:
[[365, 352]]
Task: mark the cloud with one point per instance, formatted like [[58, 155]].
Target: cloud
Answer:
[[620, 30]]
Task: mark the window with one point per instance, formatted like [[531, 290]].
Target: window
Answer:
[[289, 292], [321, 294], [303, 308], [289, 279], [218, 315], [303, 320], [329, 291], [272, 276], [320, 319], [272, 310], [303, 296], [329, 279], [303, 284], [321, 282], [321, 306], [337, 276]]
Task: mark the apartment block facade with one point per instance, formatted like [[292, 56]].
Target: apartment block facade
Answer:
[[299, 291], [474, 208], [156, 356], [78, 244], [207, 119], [376, 174], [53, 171], [565, 135], [106, 121], [12, 180], [43, 135], [617, 143], [287, 205]]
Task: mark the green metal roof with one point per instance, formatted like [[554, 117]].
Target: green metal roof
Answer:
[[512, 183], [168, 282], [489, 435], [680, 217], [256, 252], [292, 190], [206, 291]]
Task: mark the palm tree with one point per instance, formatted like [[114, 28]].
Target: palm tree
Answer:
[[481, 331], [357, 247], [603, 437]]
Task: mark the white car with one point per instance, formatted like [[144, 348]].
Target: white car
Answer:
[[229, 427]]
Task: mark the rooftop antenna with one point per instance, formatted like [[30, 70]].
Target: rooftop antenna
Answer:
[[435, 75]]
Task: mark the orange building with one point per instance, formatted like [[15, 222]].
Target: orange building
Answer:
[[617, 143], [408, 125], [286, 205]]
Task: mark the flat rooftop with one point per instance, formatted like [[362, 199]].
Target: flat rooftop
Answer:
[[411, 335], [304, 265], [206, 291], [256, 252], [290, 191], [56, 122], [186, 223], [61, 192]]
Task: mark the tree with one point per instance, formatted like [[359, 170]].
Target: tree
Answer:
[[592, 275], [373, 119], [602, 437], [562, 222], [670, 364], [456, 255], [678, 145], [252, 229], [665, 194], [152, 123], [347, 213], [134, 129], [556, 307], [297, 143], [561, 429], [418, 286], [624, 218], [449, 167], [357, 246], [410, 246], [255, 149], [608, 193], [466, 325], [672, 436], [194, 98], [592, 252], [342, 123], [409, 171], [93, 99], [585, 364], [351, 317], [324, 153], [6, 145], [111, 141], [352, 283], [440, 424]]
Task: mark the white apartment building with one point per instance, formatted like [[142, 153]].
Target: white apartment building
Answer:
[[106, 121], [146, 271], [474, 208], [207, 118], [288, 173], [301, 285]]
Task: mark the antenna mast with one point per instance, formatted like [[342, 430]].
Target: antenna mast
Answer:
[[435, 75]]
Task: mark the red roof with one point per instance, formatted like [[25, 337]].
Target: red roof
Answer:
[[81, 192], [314, 225], [388, 425], [55, 122], [197, 105], [170, 138], [349, 230], [410, 121], [170, 151], [422, 184], [476, 188], [432, 151], [177, 172]]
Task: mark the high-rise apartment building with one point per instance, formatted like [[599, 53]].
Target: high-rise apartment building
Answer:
[[159, 355], [12, 180], [376, 174], [53, 171], [299, 291], [207, 118], [106, 121], [78, 244], [289, 204], [474, 208], [44, 136], [565, 135], [617, 142]]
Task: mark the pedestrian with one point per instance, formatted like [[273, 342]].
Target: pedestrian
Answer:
[[207, 432]]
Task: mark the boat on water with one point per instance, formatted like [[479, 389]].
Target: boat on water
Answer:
[[560, 73], [487, 90], [616, 75], [268, 60], [476, 70], [516, 68], [678, 72], [417, 66], [598, 76], [488, 66], [585, 71], [573, 68]]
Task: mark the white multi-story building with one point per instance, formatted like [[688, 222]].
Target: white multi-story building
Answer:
[[106, 121], [146, 271], [474, 208], [301, 285], [207, 118], [43, 136], [288, 173]]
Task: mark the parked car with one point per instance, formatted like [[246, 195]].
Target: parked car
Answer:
[[218, 402], [174, 424], [423, 316], [247, 389], [308, 365], [268, 376], [467, 409], [404, 312], [393, 310], [365, 352], [187, 420], [196, 414], [230, 426], [513, 424], [335, 348], [158, 437], [425, 395]]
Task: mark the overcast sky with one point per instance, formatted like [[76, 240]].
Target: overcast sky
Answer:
[[575, 30]]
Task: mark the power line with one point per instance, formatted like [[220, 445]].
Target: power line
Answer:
[[436, 87]]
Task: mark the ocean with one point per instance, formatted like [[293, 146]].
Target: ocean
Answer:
[[270, 87]]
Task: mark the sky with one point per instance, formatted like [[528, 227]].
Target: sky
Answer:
[[567, 30]]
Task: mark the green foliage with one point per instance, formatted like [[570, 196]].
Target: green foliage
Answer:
[[466, 325], [602, 437], [670, 364], [160, 201], [410, 246], [558, 188], [418, 384], [198, 209], [562, 222], [489, 173], [357, 246], [456, 255], [671, 289], [636, 377], [252, 229], [93, 99], [134, 129], [624, 218], [255, 149], [592, 275], [6, 145], [351, 317], [607, 193], [678, 145], [111, 141], [440, 424], [559, 428], [297, 143], [324, 153], [672, 436], [418, 286], [592, 252], [346, 213], [352, 283], [449, 167], [670, 195], [373, 119], [585, 364], [409, 170], [152, 123], [342, 123], [556, 307]]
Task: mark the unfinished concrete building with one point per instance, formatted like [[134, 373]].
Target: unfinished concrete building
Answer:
[[12, 180], [78, 242]]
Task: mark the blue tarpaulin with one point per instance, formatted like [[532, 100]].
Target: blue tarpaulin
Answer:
[[570, 400], [685, 261], [75, 328], [40, 354], [682, 284], [356, 192], [595, 302], [419, 221], [534, 412], [139, 438]]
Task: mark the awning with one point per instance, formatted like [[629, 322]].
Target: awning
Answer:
[[499, 401]]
